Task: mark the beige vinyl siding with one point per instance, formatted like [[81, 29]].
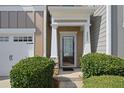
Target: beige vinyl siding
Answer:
[[39, 33], [98, 30]]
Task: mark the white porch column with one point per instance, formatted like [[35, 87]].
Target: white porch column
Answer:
[[86, 40], [54, 47]]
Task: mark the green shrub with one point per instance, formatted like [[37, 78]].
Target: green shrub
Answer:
[[104, 82], [101, 64], [33, 72]]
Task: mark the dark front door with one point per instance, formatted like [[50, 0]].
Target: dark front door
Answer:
[[68, 51]]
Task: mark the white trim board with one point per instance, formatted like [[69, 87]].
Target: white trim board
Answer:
[[108, 29], [70, 33], [71, 24], [13, 30], [22, 7]]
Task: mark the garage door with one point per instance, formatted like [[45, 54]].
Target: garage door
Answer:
[[14, 47]]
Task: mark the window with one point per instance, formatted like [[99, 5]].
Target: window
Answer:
[[4, 39], [15, 39], [23, 39], [29, 38]]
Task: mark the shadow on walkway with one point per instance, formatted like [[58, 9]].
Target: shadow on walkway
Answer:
[[65, 82]]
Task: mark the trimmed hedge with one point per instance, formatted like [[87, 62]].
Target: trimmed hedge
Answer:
[[95, 64], [32, 72]]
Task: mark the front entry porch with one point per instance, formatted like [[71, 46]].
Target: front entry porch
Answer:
[[68, 45]]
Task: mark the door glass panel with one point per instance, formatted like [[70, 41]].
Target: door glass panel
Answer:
[[68, 50]]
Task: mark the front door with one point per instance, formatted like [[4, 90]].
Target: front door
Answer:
[[68, 51]]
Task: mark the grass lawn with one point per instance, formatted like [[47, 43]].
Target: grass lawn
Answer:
[[104, 82]]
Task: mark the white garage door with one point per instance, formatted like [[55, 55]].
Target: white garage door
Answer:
[[13, 48]]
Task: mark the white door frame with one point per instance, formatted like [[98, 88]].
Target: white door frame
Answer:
[[70, 33]]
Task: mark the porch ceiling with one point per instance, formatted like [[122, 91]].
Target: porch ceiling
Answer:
[[70, 12]]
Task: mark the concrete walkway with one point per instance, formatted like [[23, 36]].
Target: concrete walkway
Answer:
[[70, 79], [4, 82]]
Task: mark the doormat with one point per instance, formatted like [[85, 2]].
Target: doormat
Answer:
[[68, 69]]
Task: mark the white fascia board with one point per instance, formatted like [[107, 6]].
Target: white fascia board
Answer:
[[22, 8], [18, 31]]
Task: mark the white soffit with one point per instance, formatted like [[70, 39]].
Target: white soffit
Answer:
[[22, 7], [70, 12]]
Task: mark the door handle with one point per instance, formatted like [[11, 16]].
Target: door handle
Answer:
[[10, 57]]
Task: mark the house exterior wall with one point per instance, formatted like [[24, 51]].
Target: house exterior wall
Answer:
[[98, 30], [25, 19], [117, 31]]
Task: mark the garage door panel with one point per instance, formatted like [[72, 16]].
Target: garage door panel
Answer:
[[21, 51], [5, 64], [13, 51]]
